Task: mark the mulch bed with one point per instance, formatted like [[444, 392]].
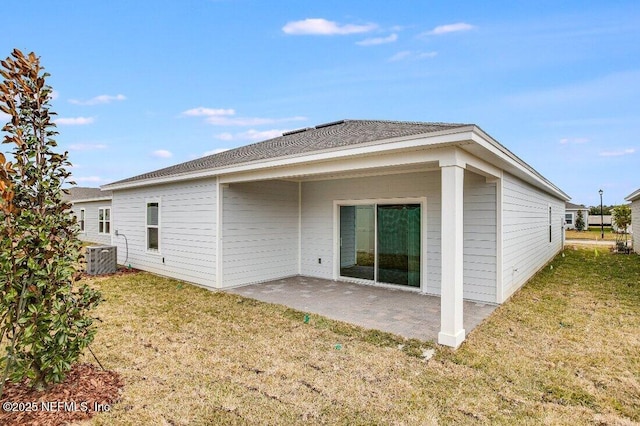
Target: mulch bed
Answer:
[[122, 270], [86, 391]]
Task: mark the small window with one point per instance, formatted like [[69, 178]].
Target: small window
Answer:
[[153, 226], [104, 220], [568, 218], [81, 220], [550, 233]]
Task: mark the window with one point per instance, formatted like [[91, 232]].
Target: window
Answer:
[[153, 226], [568, 218], [81, 220], [549, 223], [104, 220]]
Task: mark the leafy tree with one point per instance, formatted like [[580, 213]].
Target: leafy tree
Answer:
[[45, 321], [580, 221], [595, 210], [621, 217]]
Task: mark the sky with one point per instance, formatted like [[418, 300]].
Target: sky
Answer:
[[141, 85]]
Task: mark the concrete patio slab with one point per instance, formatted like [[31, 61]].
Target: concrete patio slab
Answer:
[[406, 313]]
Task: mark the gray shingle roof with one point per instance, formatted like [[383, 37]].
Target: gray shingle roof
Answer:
[[322, 137], [572, 206], [84, 193]]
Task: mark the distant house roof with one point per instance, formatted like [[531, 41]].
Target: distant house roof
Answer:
[[633, 196], [571, 206], [322, 137], [83, 193]]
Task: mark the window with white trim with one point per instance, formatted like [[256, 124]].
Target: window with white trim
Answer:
[[568, 218], [550, 232], [81, 220], [104, 220], [153, 226]]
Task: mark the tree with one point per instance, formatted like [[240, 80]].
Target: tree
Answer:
[[595, 210], [621, 217], [45, 321], [580, 221]]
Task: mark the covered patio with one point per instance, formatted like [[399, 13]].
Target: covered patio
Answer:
[[407, 313]]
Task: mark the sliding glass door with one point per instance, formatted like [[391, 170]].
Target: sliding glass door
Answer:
[[381, 243]]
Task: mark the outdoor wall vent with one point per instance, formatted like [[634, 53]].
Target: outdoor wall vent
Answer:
[[333, 123], [293, 132], [101, 260]]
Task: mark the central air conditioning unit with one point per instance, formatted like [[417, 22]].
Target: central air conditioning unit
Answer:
[[102, 260]]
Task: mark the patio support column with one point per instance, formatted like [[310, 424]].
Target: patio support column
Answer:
[[452, 332]]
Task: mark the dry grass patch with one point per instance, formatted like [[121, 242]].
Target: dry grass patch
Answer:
[[565, 349], [591, 234]]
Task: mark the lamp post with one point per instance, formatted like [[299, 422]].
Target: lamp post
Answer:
[[601, 216]]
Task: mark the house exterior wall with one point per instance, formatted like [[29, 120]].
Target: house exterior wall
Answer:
[[91, 233], [574, 214], [526, 246], [259, 232], [317, 245], [635, 218], [187, 230]]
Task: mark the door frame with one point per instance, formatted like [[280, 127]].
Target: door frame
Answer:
[[375, 202]]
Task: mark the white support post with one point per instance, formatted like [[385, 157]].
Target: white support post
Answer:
[[452, 331]]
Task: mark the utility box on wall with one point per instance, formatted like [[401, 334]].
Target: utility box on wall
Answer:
[[102, 260]]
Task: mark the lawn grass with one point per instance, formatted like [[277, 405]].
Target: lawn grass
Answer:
[[563, 350], [591, 234]]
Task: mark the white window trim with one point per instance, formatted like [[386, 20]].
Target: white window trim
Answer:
[[381, 201], [103, 221], [82, 218], [147, 226], [572, 223]]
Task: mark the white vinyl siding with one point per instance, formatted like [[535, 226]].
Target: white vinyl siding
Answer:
[[526, 245], [635, 224], [259, 232], [480, 205], [188, 230], [91, 233]]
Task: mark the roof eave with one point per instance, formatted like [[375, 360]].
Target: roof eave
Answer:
[[633, 196]]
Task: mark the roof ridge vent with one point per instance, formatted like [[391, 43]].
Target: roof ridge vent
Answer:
[[293, 132], [333, 123]]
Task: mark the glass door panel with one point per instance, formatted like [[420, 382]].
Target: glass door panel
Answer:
[[399, 244], [357, 242]]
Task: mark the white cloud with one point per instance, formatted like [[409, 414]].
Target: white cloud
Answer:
[[410, 55], [53, 95], [87, 146], [4, 117], [162, 153], [617, 153], [378, 40], [101, 99], [224, 136], [450, 28], [74, 121], [226, 117], [208, 112], [565, 141], [319, 26]]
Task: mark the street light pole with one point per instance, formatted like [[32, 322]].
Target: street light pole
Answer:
[[601, 217]]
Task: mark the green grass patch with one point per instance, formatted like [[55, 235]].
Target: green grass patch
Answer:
[[563, 350]]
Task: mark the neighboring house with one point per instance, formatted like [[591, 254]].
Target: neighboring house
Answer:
[[634, 197], [440, 208], [92, 208], [571, 215]]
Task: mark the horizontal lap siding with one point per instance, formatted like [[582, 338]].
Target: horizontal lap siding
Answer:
[[260, 232], [479, 239], [317, 216], [187, 230], [526, 245], [91, 233]]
